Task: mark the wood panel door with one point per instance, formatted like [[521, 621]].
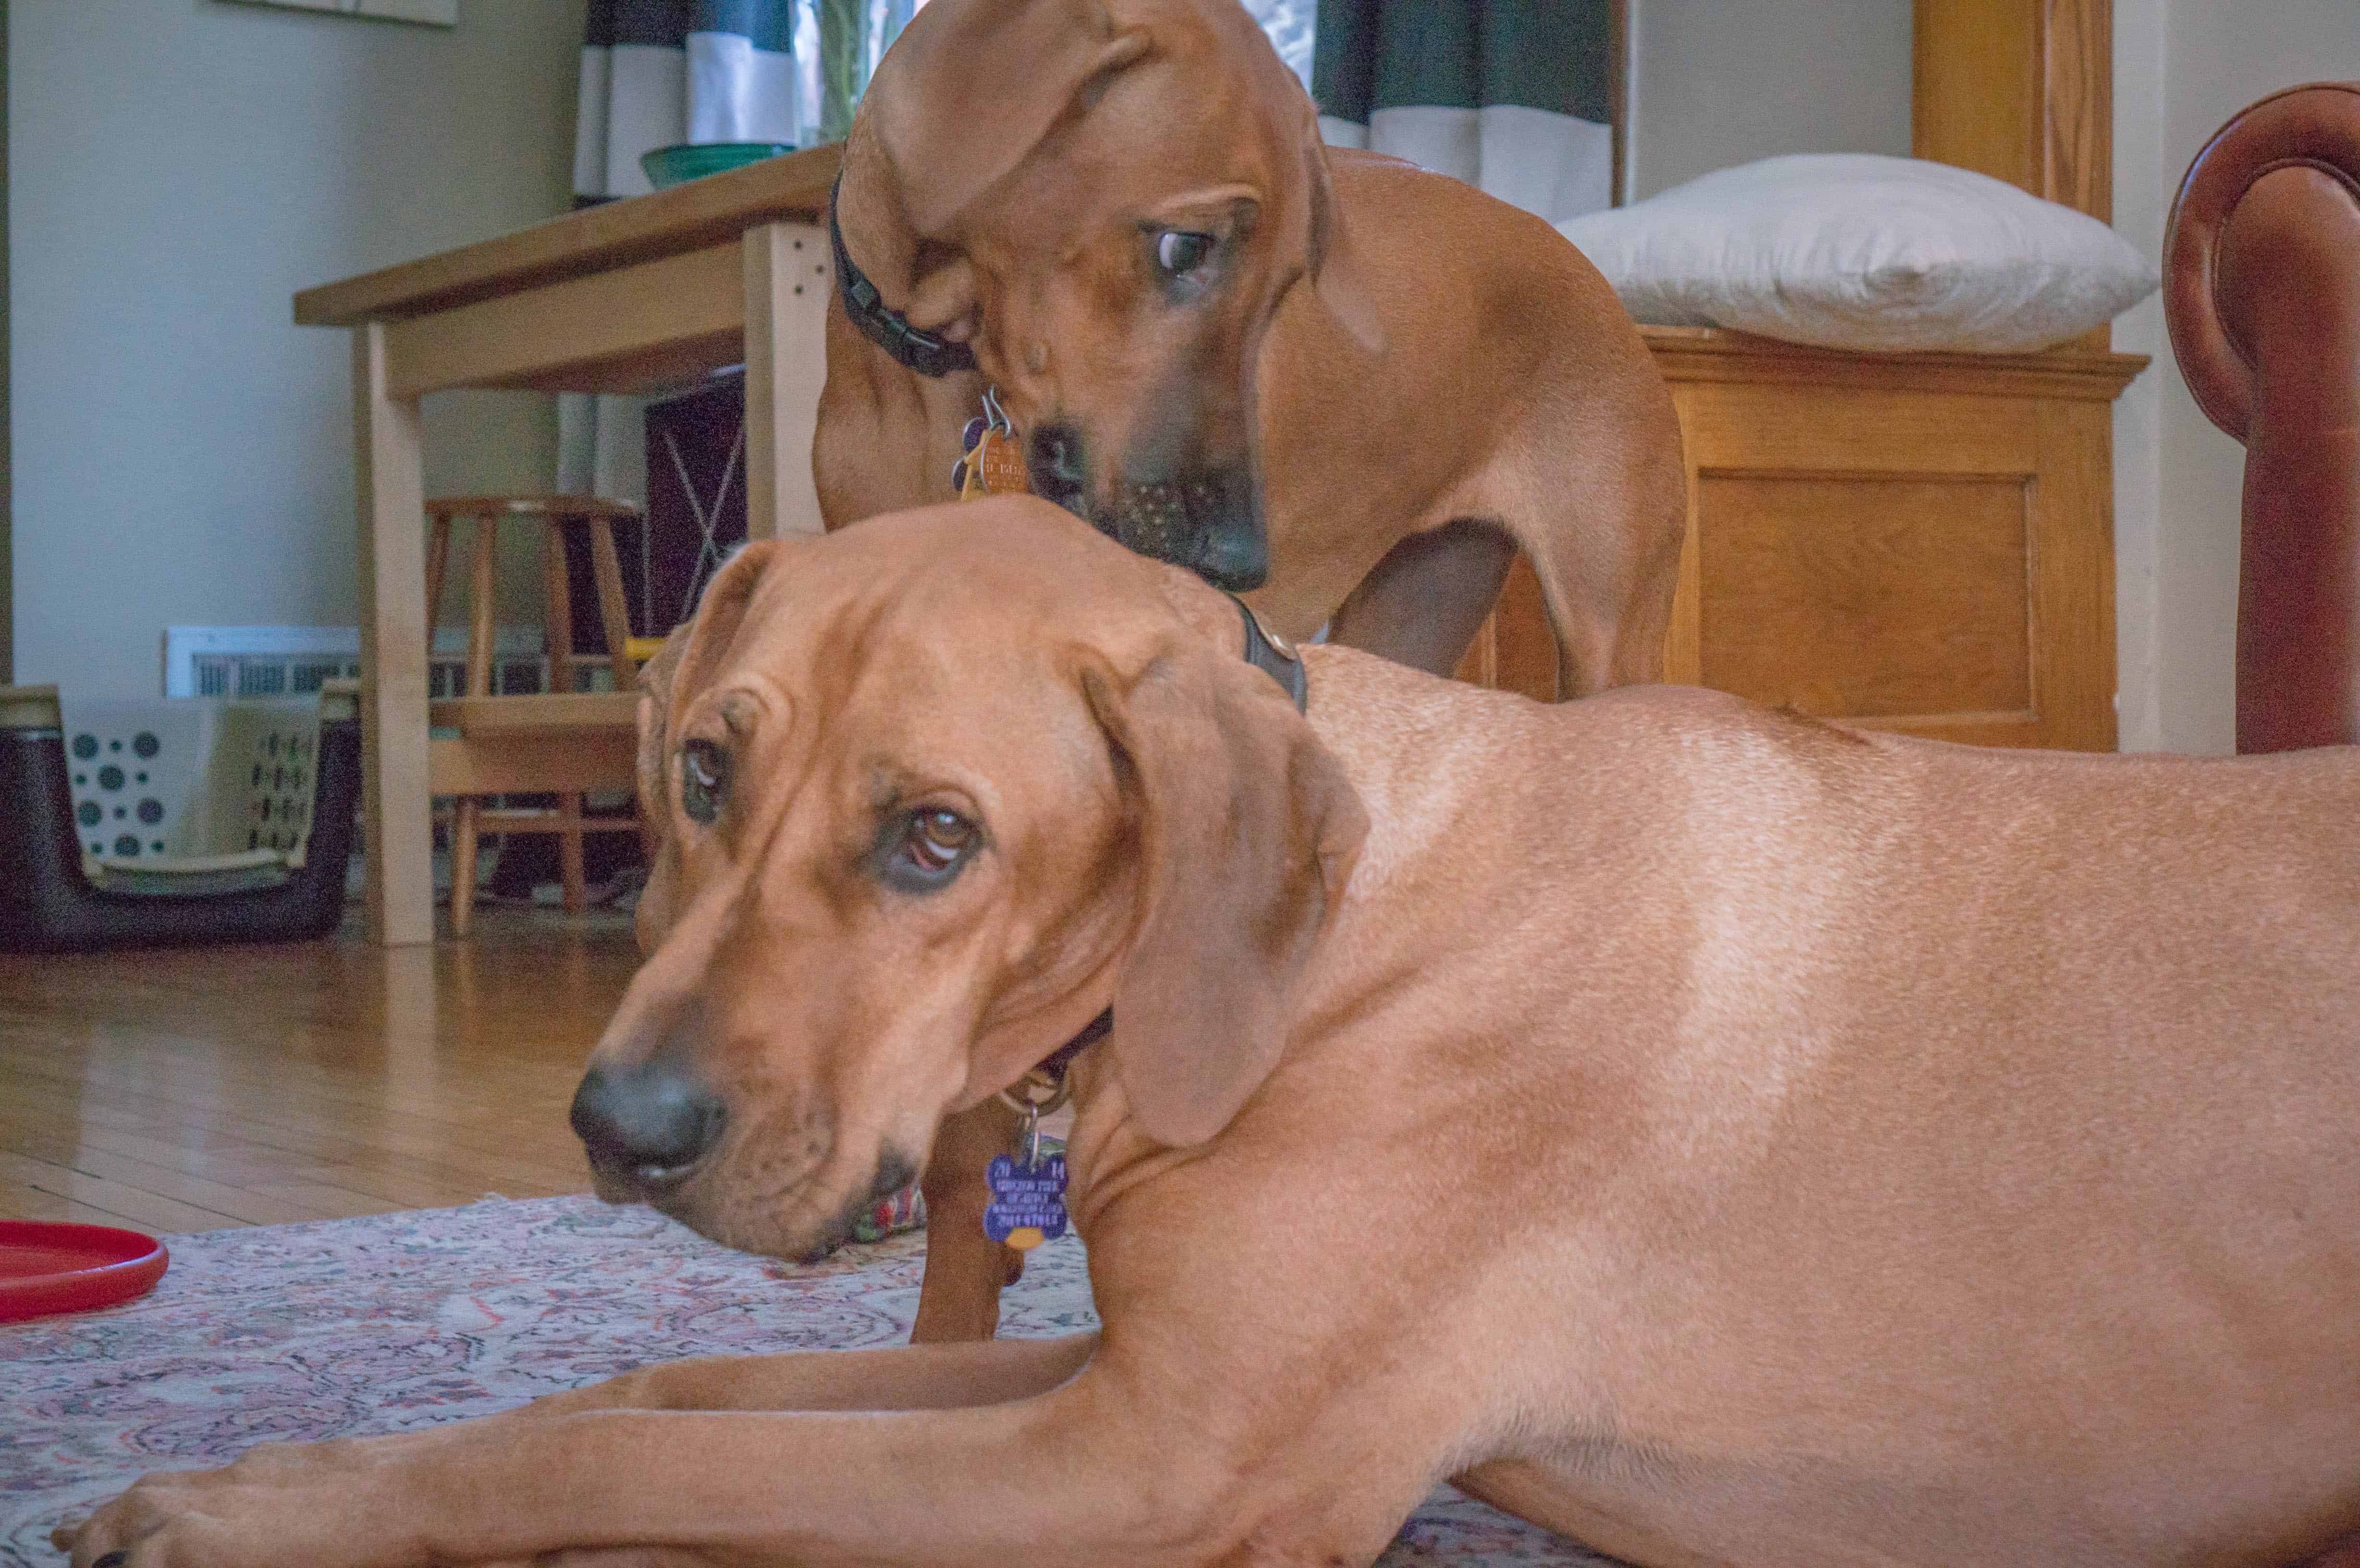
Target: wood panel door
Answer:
[[1937, 563]]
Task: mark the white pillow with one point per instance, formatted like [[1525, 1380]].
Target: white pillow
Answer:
[[1855, 251]]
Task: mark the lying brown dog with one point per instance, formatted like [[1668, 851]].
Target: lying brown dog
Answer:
[[1335, 382], [1714, 1135]]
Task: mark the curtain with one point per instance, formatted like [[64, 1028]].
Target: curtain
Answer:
[[655, 72], [1517, 96]]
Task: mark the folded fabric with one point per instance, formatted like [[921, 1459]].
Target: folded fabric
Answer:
[[1858, 251]]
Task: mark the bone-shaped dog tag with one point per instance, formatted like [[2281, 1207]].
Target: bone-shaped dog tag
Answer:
[[1001, 459], [994, 462], [1028, 1202]]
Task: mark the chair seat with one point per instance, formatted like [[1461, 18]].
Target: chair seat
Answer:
[[538, 712], [529, 743]]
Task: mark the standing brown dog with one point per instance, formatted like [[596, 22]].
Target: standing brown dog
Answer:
[[1341, 385]]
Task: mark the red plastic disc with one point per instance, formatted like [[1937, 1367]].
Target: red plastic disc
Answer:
[[48, 1268]]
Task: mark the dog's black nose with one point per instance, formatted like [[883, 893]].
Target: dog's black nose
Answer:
[[1230, 548], [1058, 469], [648, 1126]]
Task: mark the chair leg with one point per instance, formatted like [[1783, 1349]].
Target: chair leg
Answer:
[[480, 608], [569, 853], [438, 559], [614, 608], [464, 816], [464, 825], [557, 611]]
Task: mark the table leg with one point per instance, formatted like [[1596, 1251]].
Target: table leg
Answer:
[[389, 481], [787, 284]]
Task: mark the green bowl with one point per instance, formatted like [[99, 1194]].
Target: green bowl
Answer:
[[669, 166]]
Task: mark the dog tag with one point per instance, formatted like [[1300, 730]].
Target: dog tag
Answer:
[[994, 467], [1002, 460], [1028, 1202]]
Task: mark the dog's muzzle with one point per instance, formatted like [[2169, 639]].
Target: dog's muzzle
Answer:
[[1208, 521], [647, 1130]]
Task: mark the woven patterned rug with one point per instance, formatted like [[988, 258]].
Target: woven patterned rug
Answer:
[[303, 1332]]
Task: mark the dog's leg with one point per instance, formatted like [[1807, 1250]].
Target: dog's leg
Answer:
[[959, 1297], [1608, 586], [1083, 1475], [922, 1378], [1424, 602]]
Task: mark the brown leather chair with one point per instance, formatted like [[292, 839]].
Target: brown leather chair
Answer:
[[2262, 293]]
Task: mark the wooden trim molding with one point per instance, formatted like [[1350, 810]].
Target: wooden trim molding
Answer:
[[1688, 355], [2022, 91]]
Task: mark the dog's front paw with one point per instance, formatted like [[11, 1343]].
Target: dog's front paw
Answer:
[[299, 1504]]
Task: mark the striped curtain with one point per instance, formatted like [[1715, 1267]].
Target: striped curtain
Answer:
[[655, 72], [1517, 96]]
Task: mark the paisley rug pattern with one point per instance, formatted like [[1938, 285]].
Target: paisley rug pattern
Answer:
[[346, 1327]]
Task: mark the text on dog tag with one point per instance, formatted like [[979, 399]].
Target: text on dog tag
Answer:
[[1028, 1202], [994, 465]]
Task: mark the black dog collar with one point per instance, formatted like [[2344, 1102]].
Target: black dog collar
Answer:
[[1274, 658], [888, 329]]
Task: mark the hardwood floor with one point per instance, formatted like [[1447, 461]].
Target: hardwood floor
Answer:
[[192, 1090]]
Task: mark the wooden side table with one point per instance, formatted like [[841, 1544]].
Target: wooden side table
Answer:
[[634, 296]]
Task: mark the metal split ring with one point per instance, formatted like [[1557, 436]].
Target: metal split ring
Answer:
[[1058, 1091]]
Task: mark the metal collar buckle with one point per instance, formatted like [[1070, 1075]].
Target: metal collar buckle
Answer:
[[1274, 656]]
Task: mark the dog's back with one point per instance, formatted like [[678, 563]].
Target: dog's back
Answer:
[[1923, 1124]]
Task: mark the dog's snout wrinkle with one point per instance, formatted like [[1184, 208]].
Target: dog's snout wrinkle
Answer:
[[648, 1126]]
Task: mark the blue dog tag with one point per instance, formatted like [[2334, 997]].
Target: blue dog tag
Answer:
[[1028, 1202]]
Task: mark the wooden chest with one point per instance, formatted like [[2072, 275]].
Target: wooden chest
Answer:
[[1915, 543]]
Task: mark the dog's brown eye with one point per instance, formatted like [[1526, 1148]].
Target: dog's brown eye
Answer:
[[936, 840], [1179, 252], [703, 779]]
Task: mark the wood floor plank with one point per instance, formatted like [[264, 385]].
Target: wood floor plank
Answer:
[[252, 1206], [22, 1203], [149, 1211]]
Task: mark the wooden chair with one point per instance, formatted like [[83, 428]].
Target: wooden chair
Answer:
[[560, 742]]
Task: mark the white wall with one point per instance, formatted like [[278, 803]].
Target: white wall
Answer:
[[1716, 82], [2181, 68], [178, 169]]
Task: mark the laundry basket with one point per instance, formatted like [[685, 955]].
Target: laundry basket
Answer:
[[178, 820], [181, 778]]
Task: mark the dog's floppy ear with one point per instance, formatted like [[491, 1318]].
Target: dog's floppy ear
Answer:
[[973, 85], [670, 672], [1330, 260], [654, 718], [685, 664], [1248, 829], [720, 611]]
